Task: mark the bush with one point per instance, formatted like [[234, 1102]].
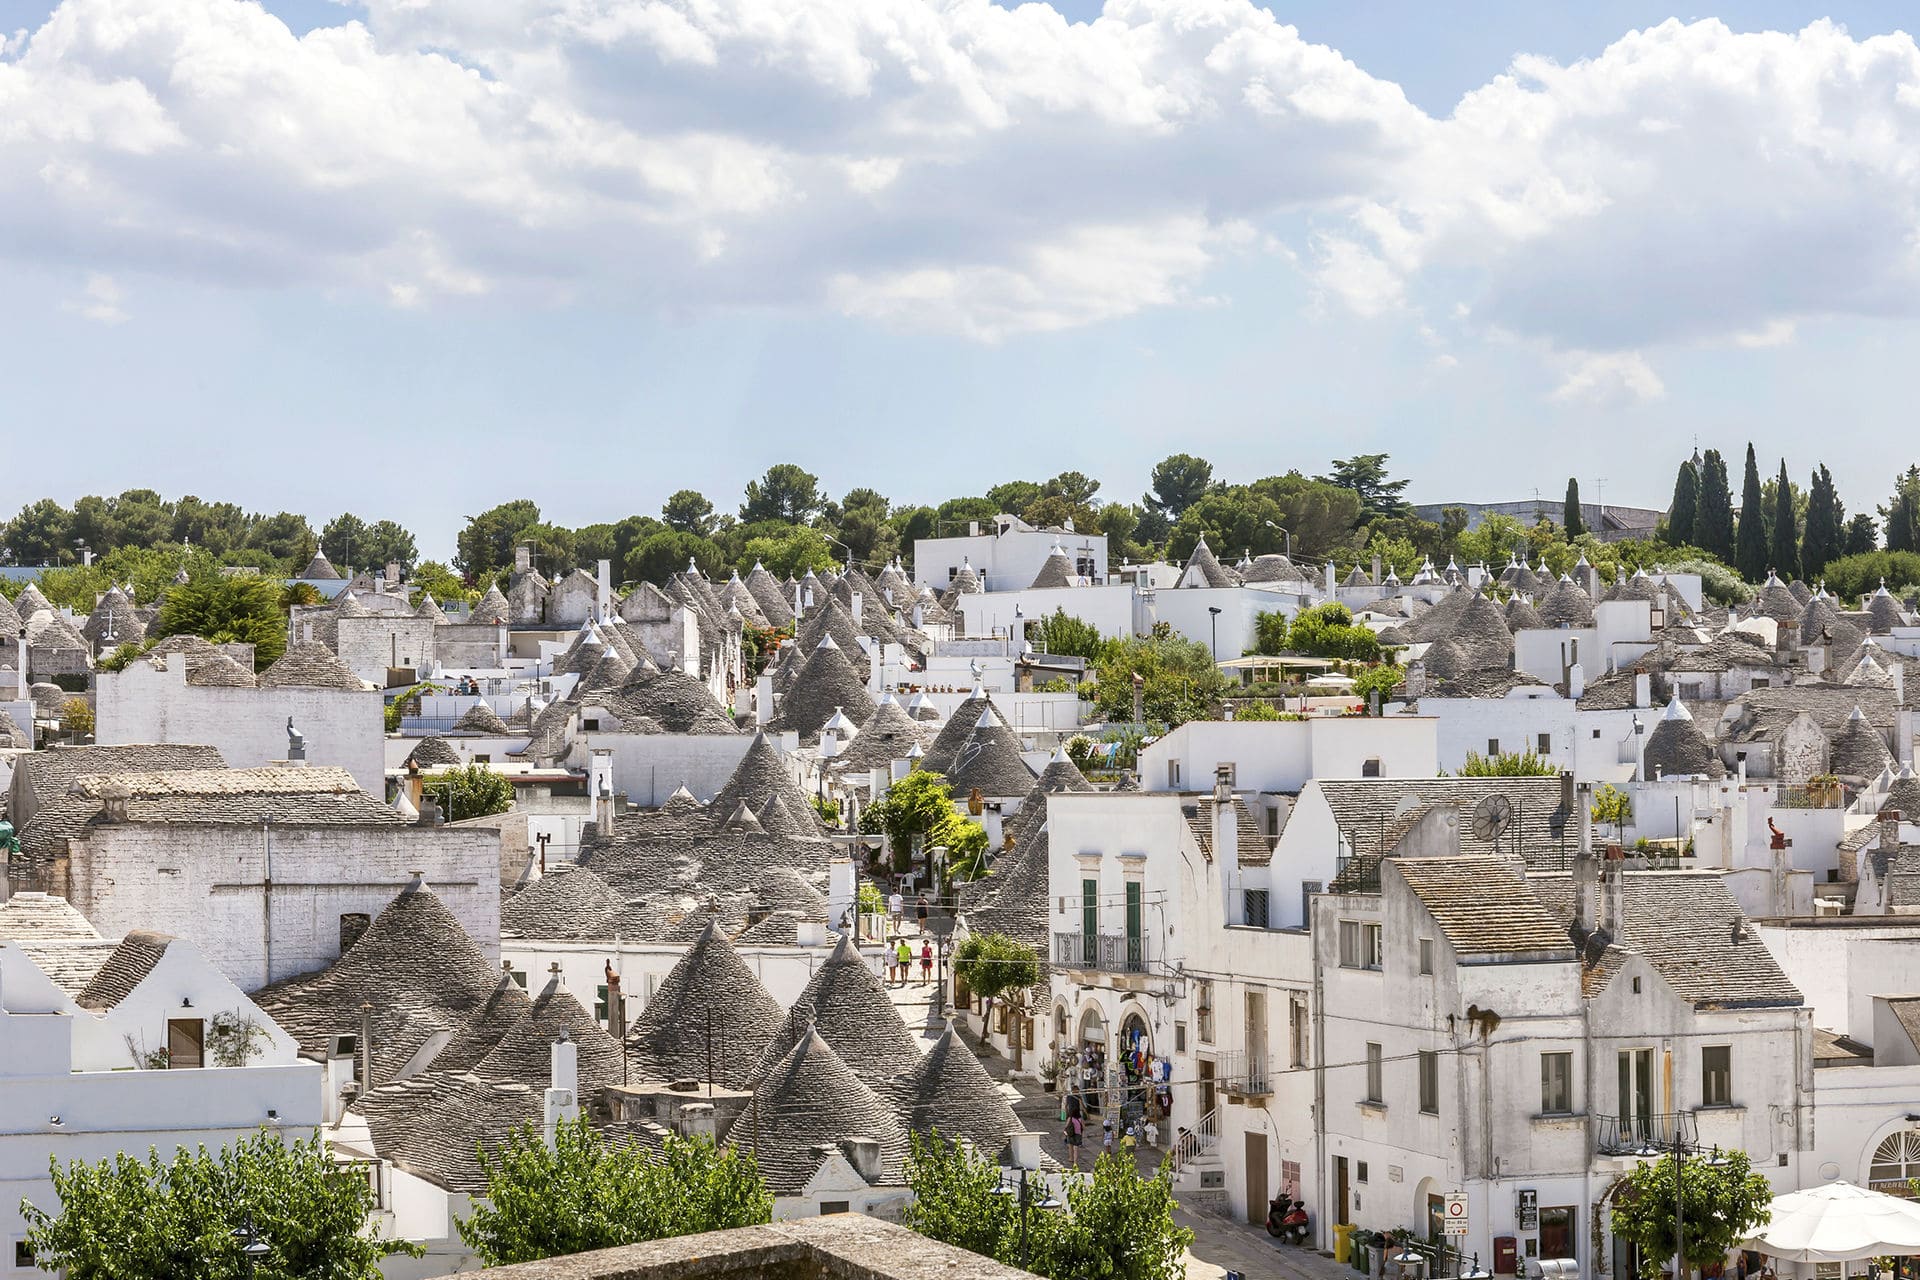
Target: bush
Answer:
[[1062, 633], [76, 717], [1851, 577], [1180, 680], [1508, 764], [1256, 710], [1329, 631], [1718, 583], [470, 791]]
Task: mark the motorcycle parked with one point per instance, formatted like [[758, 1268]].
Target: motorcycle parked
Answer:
[[1287, 1220]]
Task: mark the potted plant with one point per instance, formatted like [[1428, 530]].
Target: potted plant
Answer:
[[1049, 1074]]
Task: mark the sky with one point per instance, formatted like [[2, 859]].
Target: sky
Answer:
[[412, 258]]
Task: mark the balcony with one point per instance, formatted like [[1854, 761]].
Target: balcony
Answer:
[[1105, 952], [1644, 1135], [1243, 1075]]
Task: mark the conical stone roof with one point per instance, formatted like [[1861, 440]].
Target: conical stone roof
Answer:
[[989, 760], [1677, 748], [482, 718], [827, 682], [845, 1002], [810, 1098], [761, 773], [708, 986], [949, 1092]]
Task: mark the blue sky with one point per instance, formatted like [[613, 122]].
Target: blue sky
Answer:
[[340, 274]]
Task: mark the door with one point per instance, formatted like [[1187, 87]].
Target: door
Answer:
[[1340, 1190], [186, 1040], [1256, 1179], [1436, 1220], [1636, 1095], [1558, 1239], [1257, 1041], [1089, 921], [1206, 1088], [1136, 951]]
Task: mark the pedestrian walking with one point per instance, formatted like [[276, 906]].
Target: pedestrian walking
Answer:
[[1076, 1134], [920, 911], [904, 954], [896, 908], [926, 963]]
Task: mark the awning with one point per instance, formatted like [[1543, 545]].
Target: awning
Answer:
[[1839, 1222]]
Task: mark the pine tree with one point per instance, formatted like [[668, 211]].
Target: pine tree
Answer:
[[1750, 551], [1573, 524], [1863, 535], [1686, 501], [1826, 525], [1713, 518], [1900, 518], [1785, 547]]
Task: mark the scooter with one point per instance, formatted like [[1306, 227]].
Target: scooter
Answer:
[[1287, 1220]]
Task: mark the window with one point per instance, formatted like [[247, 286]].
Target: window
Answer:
[[1894, 1162], [1173, 775], [1426, 955], [835, 1206], [1429, 1063], [1089, 921], [1556, 1084], [1359, 945], [1545, 744], [591, 725], [1136, 928], [1296, 1032], [1596, 734], [1179, 1035], [1256, 908], [1060, 1023], [1360, 1171], [1376, 1093], [1716, 1075], [1493, 747], [519, 977], [1370, 768], [1203, 1010], [1308, 888], [1273, 822], [600, 1004], [23, 1255]]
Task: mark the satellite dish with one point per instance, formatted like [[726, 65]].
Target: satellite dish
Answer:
[[1491, 816]]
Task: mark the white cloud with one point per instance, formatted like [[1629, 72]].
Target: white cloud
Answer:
[[1610, 380], [99, 300], [967, 167]]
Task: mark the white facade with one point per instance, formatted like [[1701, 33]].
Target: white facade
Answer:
[[1284, 755], [342, 727], [1007, 553], [71, 1089]]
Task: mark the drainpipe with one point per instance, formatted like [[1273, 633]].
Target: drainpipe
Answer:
[[266, 891], [1320, 1193]]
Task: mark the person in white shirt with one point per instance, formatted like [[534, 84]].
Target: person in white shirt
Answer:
[[896, 906]]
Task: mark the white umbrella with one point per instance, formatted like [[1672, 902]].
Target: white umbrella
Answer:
[[1839, 1222], [1331, 681]]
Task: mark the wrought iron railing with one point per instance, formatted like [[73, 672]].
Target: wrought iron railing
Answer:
[[1648, 1135], [1356, 873], [1241, 1072], [1197, 1141], [1108, 952]]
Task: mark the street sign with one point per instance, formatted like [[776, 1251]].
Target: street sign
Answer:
[[1528, 1210], [1454, 1218]]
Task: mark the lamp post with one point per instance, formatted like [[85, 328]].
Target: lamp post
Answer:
[[1213, 611], [1025, 1201], [253, 1245], [1283, 533]]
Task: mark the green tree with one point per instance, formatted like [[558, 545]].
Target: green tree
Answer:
[[1713, 520], [1686, 501], [997, 967], [1077, 488], [1721, 1204], [1851, 577], [1366, 475], [792, 552], [285, 538], [1507, 764], [224, 609], [688, 511], [1329, 631], [443, 584], [1382, 679], [1784, 550], [1571, 520], [1179, 679], [1611, 807], [1900, 518], [862, 523], [785, 492], [1120, 521], [585, 1192], [666, 553], [1061, 632], [1178, 481], [1270, 633], [486, 545], [1013, 497], [1257, 709], [1750, 552], [1863, 535], [1117, 1224], [470, 791], [1826, 525], [38, 535], [1319, 516], [344, 540], [389, 543], [220, 527], [128, 1219], [76, 717], [921, 805]]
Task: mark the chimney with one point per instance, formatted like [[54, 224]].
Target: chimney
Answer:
[[1026, 1149], [1414, 687], [1613, 882], [600, 784], [1584, 906], [1890, 829], [1376, 568], [841, 893], [563, 1098], [854, 608], [603, 590], [113, 801], [366, 1048], [1639, 748], [522, 559], [1329, 580], [864, 1155], [1642, 689], [762, 701], [1226, 828], [393, 575], [695, 1120]]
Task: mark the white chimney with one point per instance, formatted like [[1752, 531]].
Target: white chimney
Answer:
[[1226, 828], [1026, 1149], [603, 591], [841, 893], [563, 1098], [864, 1155], [762, 701], [854, 608], [522, 559], [600, 786], [695, 1120]]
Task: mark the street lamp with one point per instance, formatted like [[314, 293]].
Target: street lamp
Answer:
[[1026, 1201], [1282, 532], [1214, 620], [253, 1245]]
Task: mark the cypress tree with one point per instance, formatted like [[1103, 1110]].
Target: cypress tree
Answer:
[[1826, 525], [1901, 517], [1686, 501], [1863, 535], [1750, 550], [1713, 518], [1785, 547], [1573, 524]]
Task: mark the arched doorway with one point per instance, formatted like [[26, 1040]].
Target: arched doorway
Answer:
[[1895, 1161]]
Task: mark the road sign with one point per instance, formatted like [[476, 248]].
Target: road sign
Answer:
[[1454, 1218]]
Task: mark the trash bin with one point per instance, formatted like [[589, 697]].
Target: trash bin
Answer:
[[1342, 1240], [1406, 1265]]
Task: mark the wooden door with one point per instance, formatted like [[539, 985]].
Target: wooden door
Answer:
[[1257, 1179], [1340, 1190]]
